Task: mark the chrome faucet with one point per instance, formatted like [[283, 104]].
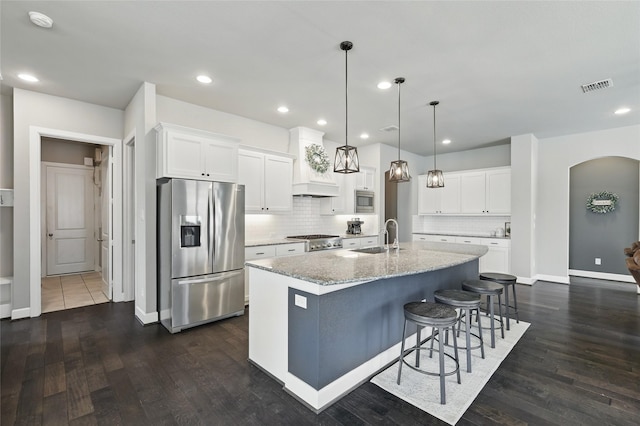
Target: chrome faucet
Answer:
[[395, 243]]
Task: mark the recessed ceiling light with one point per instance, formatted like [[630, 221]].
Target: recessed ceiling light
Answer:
[[40, 19], [622, 110], [205, 79], [322, 122], [364, 136], [28, 77], [283, 109], [384, 85], [446, 141]]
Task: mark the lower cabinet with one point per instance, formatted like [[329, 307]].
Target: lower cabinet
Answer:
[[497, 259], [359, 242], [263, 252]]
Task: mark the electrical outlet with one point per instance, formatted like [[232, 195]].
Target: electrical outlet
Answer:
[[598, 261]]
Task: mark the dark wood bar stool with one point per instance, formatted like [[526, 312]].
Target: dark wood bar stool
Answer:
[[491, 290], [440, 318], [506, 280], [467, 302]]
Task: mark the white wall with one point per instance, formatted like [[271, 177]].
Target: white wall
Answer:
[[36, 109], [6, 182], [481, 158], [250, 132], [556, 156], [139, 119]]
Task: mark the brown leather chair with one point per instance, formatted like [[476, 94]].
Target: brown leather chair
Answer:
[[633, 264]]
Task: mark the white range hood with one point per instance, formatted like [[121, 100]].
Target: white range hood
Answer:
[[307, 181]]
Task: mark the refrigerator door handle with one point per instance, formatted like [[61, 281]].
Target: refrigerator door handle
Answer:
[[217, 277], [211, 222]]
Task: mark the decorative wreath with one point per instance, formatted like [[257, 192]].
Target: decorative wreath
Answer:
[[602, 202], [317, 158]]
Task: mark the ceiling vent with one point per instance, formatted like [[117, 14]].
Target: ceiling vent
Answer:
[[391, 128], [597, 85]]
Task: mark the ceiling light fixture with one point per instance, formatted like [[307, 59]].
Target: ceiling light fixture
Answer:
[[384, 85], [446, 141], [28, 77], [346, 160], [364, 136], [622, 111], [40, 19], [204, 79], [322, 122], [435, 179], [399, 171], [283, 109]]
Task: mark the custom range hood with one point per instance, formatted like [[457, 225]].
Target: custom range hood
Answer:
[[312, 168]]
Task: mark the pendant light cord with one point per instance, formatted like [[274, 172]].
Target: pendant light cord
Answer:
[[434, 138], [346, 98], [399, 84]]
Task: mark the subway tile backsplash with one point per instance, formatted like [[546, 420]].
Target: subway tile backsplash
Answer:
[[468, 225], [305, 219]]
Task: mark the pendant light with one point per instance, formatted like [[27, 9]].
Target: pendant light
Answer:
[[399, 171], [435, 179], [346, 160]]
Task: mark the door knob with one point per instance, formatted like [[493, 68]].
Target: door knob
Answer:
[[50, 236]]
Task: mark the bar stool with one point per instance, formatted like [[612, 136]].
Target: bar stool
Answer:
[[467, 302], [438, 317], [491, 290], [506, 280]]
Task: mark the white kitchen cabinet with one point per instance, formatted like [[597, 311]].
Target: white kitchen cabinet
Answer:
[[444, 200], [195, 154], [498, 258], [266, 251], [486, 192], [469, 240], [268, 181], [337, 205], [359, 242], [365, 179], [434, 238]]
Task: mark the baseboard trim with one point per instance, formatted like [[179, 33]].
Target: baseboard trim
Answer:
[[553, 278], [146, 318], [526, 280], [602, 276], [5, 310], [20, 313]]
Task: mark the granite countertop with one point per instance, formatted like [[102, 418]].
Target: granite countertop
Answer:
[[455, 234], [331, 267], [277, 241]]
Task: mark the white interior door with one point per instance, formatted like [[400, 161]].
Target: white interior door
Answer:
[[70, 240], [105, 229]]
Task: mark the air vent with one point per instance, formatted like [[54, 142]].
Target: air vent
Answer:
[[391, 128], [597, 85]]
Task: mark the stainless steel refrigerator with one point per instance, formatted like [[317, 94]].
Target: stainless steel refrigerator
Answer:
[[200, 252]]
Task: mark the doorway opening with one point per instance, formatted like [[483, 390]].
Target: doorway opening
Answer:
[[76, 218]]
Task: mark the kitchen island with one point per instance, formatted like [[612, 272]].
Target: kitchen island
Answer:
[[323, 323]]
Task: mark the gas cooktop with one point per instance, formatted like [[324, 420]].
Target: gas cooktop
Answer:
[[315, 242]]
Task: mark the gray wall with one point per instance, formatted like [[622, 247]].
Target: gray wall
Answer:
[[67, 152], [594, 235], [6, 182]]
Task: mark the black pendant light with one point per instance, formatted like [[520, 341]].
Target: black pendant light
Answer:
[[399, 171], [346, 160], [435, 179]]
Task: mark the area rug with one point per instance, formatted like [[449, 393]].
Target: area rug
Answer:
[[423, 391]]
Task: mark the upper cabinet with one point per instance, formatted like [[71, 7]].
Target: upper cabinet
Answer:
[[439, 200], [338, 205], [476, 192], [365, 179], [268, 180], [486, 192], [195, 154]]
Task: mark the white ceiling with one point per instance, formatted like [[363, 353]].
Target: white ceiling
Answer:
[[498, 68]]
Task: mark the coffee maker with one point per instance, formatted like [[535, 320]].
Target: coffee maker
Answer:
[[353, 226]]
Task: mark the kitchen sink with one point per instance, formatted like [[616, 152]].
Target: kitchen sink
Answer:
[[372, 250]]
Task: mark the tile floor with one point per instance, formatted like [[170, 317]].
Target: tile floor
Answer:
[[71, 291]]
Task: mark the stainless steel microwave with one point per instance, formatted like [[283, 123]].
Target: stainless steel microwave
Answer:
[[364, 201]]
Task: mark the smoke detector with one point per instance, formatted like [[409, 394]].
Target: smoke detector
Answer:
[[597, 85], [40, 19], [391, 128]]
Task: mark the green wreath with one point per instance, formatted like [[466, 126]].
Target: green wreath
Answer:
[[317, 158], [602, 202]]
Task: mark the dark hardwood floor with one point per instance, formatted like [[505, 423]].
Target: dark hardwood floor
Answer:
[[578, 364]]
